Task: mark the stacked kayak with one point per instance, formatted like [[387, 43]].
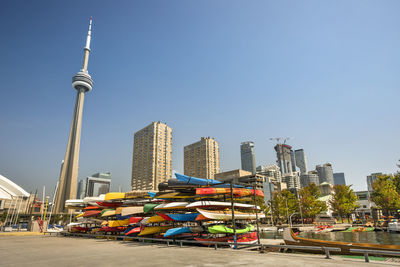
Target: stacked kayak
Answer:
[[202, 210]]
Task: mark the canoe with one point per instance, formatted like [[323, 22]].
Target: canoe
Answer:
[[185, 217], [223, 229], [154, 230], [114, 196], [207, 241], [118, 223], [182, 230], [219, 205], [149, 207], [135, 230], [242, 192], [92, 213], [227, 215], [155, 219], [172, 206], [133, 220], [291, 239], [125, 211]]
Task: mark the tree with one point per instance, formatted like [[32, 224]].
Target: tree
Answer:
[[283, 204], [386, 192], [310, 205], [343, 200]]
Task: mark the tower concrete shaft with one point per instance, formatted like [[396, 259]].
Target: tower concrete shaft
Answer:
[[82, 82]]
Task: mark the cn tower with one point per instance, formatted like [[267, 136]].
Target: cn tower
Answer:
[[82, 82]]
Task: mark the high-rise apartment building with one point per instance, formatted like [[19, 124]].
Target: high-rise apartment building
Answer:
[[293, 160], [152, 156], [98, 184], [371, 179], [301, 161], [81, 190], [247, 156], [338, 178], [284, 158], [201, 159], [309, 178], [325, 173]]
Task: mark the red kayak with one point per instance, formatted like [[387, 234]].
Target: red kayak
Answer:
[[252, 239], [229, 238], [109, 204], [92, 208], [133, 220], [239, 192], [133, 231], [80, 229], [113, 229], [91, 213]]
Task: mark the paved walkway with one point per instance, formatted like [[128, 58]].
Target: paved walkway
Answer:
[[68, 251]]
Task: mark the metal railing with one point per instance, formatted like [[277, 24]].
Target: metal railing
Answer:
[[366, 252], [214, 244]]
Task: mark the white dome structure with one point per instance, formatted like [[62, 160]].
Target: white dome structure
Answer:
[[9, 189]]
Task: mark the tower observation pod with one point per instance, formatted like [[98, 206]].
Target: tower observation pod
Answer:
[[83, 83]]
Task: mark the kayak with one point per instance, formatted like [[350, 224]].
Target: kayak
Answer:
[[201, 217], [135, 230], [107, 212], [113, 229], [118, 223], [174, 195], [109, 204], [92, 208], [149, 207], [133, 220], [155, 219], [114, 196], [206, 241], [245, 240], [227, 215], [172, 206], [154, 230], [185, 217], [219, 204], [196, 181], [242, 192], [125, 211], [92, 213], [182, 230], [223, 229]]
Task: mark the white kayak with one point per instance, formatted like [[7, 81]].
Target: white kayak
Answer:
[[172, 206], [227, 215], [219, 204]]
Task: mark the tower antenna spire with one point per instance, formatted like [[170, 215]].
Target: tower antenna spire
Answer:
[[86, 49]]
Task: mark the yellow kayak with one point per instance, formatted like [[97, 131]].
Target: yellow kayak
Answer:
[[79, 215], [154, 230], [155, 219], [114, 195], [118, 223]]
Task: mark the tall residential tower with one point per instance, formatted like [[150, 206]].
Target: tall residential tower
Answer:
[[82, 82], [201, 159], [248, 157], [152, 156]]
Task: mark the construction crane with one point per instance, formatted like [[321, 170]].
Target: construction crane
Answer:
[[277, 139]]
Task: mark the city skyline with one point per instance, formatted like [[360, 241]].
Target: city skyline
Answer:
[[335, 64]]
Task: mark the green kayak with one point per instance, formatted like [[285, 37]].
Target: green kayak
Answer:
[[149, 207], [223, 229], [359, 229]]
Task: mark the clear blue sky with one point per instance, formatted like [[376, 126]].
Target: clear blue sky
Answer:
[[326, 73]]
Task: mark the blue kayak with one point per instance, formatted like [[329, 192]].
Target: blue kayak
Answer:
[[200, 181], [177, 231], [187, 217]]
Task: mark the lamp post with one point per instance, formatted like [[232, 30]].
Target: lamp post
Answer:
[[290, 218]]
